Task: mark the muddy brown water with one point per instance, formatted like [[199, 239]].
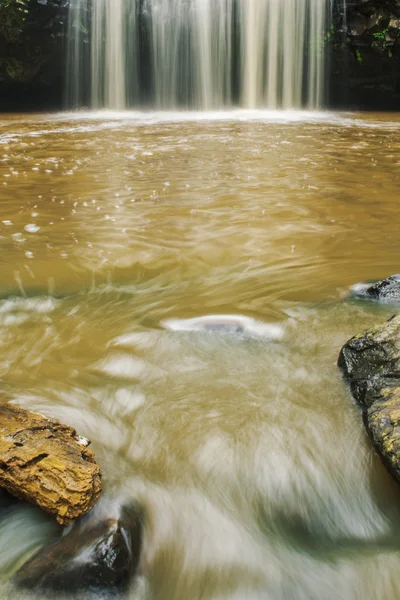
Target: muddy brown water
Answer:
[[247, 454]]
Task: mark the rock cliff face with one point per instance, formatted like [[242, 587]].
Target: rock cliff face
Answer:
[[364, 42], [32, 54]]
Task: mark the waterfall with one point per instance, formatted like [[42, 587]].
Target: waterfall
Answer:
[[199, 54]]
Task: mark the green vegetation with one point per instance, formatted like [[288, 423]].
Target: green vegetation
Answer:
[[14, 68], [380, 35], [13, 14], [30, 33], [329, 33], [383, 42]]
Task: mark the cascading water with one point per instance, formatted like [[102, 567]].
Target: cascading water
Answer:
[[203, 54]]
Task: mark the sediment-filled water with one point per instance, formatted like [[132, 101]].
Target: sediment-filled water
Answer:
[[241, 442], [202, 54]]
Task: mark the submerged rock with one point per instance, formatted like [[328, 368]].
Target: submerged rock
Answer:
[[387, 290], [47, 463], [96, 554], [371, 363], [226, 324]]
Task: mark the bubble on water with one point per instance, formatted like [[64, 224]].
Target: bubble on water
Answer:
[[29, 254], [18, 237], [31, 228]]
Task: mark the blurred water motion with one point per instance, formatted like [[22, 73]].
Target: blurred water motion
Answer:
[[226, 324], [207, 54], [247, 453]]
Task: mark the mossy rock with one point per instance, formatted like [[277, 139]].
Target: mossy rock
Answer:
[[370, 362]]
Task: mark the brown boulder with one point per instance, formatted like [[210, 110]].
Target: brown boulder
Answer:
[[47, 463]]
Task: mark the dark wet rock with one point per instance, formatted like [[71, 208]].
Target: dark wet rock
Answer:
[[97, 554], [370, 362], [387, 290]]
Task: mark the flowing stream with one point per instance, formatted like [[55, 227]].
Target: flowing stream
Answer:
[[203, 54], [244, 448]]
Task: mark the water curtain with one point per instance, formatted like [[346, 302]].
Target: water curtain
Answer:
[[198, 54]]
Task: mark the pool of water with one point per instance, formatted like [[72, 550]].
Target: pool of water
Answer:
[[241, 443]]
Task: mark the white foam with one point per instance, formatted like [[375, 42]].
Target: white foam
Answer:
[[360, 288], [227, 324], [28, 305], [32, 228]]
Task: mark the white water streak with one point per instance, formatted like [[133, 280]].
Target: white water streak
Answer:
[[203, 54]]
